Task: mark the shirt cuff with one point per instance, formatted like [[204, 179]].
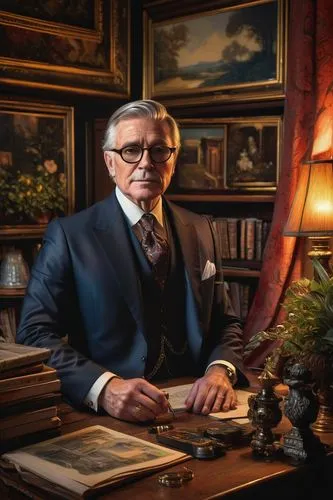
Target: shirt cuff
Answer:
[[92, 396], [225, 363]]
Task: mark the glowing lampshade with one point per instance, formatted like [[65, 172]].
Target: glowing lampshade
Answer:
[[312, 209]]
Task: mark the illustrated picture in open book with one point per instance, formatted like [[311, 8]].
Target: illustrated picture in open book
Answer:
[[93, 458]]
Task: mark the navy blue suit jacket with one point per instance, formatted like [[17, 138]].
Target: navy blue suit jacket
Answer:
[[85, 285]]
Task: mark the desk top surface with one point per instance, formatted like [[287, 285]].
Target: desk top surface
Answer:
[[223, 477]]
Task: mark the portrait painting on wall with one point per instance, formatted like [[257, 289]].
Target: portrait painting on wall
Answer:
[[253, 153], [77, 45], [201, 160], [232, 52], [36, 162]]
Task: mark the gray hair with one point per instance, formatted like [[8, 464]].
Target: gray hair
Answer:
[[139, 109]]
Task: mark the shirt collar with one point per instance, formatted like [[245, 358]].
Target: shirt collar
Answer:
[[133, 212]]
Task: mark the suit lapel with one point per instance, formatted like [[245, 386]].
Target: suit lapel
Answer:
[[113, 232], [189, 247]]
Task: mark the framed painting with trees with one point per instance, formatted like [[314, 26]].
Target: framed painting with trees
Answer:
[[234, 52]]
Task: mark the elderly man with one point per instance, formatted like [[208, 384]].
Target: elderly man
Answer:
[[134, 284]]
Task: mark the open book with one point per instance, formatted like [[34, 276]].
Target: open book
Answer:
[[83, 462]]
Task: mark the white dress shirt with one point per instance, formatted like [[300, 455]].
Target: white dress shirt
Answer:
[[133, 214]]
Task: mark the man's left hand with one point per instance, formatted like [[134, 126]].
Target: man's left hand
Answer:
[[212, 393]]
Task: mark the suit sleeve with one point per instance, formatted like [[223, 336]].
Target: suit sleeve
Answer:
[[50, 313], [224, 338]]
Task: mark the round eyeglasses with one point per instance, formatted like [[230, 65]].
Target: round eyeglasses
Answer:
[[133, 154]]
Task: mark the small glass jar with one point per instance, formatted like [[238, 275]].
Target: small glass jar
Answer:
[[14, 271]]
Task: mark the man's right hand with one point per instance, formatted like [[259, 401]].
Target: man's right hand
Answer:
[[134, 400]]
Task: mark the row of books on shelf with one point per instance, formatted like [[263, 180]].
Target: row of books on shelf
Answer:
[[243, 239], [240, 297], [29, 394]]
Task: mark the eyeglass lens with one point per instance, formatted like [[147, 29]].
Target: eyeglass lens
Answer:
[[133, 154]]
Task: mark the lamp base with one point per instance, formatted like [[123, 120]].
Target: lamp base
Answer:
[[320, 250], [324, 421]]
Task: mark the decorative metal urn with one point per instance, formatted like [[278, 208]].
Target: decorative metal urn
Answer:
[[324, 422], [265, 414], [301, 408]]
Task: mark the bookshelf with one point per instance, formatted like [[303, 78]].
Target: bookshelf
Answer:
[[238, 198], [13, 293], [241, 274], [235, 272]]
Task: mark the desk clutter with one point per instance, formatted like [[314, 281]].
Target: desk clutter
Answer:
[[207, 441], [264, 409], [29, 394], [300, 445], [96, 458]]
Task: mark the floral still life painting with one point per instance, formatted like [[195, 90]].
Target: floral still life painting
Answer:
[[35, 163]]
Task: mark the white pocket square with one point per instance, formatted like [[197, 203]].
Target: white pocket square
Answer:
[[210, 270]]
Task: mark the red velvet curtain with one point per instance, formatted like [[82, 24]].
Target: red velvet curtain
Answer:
[[308, 93]]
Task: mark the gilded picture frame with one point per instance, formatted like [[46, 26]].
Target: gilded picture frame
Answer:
[[253, 153], [232, 53], [36, 165], [228, 155], [80, 46]]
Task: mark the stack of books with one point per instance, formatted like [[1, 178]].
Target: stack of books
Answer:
[[29, 394]]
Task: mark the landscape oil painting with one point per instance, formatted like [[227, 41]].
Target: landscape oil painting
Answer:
[[230, 49]]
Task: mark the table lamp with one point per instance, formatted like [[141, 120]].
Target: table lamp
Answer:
[[311, 213]]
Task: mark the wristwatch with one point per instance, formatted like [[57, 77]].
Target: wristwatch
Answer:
[[230, 373]]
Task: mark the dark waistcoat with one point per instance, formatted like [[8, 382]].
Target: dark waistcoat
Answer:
[[164, 315]]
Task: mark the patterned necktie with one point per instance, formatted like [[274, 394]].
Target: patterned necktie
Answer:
[[156, 248]]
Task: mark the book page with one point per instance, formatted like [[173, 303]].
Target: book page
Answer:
[[240, 411], [179, 393], [177, 396], [92, 457]]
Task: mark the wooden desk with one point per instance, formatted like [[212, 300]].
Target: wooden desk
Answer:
[[236, 476]]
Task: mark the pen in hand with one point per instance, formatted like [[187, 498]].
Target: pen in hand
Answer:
[[169, 404]]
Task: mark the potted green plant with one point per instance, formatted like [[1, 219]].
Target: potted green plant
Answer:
[[307, 332], [306, 337]]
